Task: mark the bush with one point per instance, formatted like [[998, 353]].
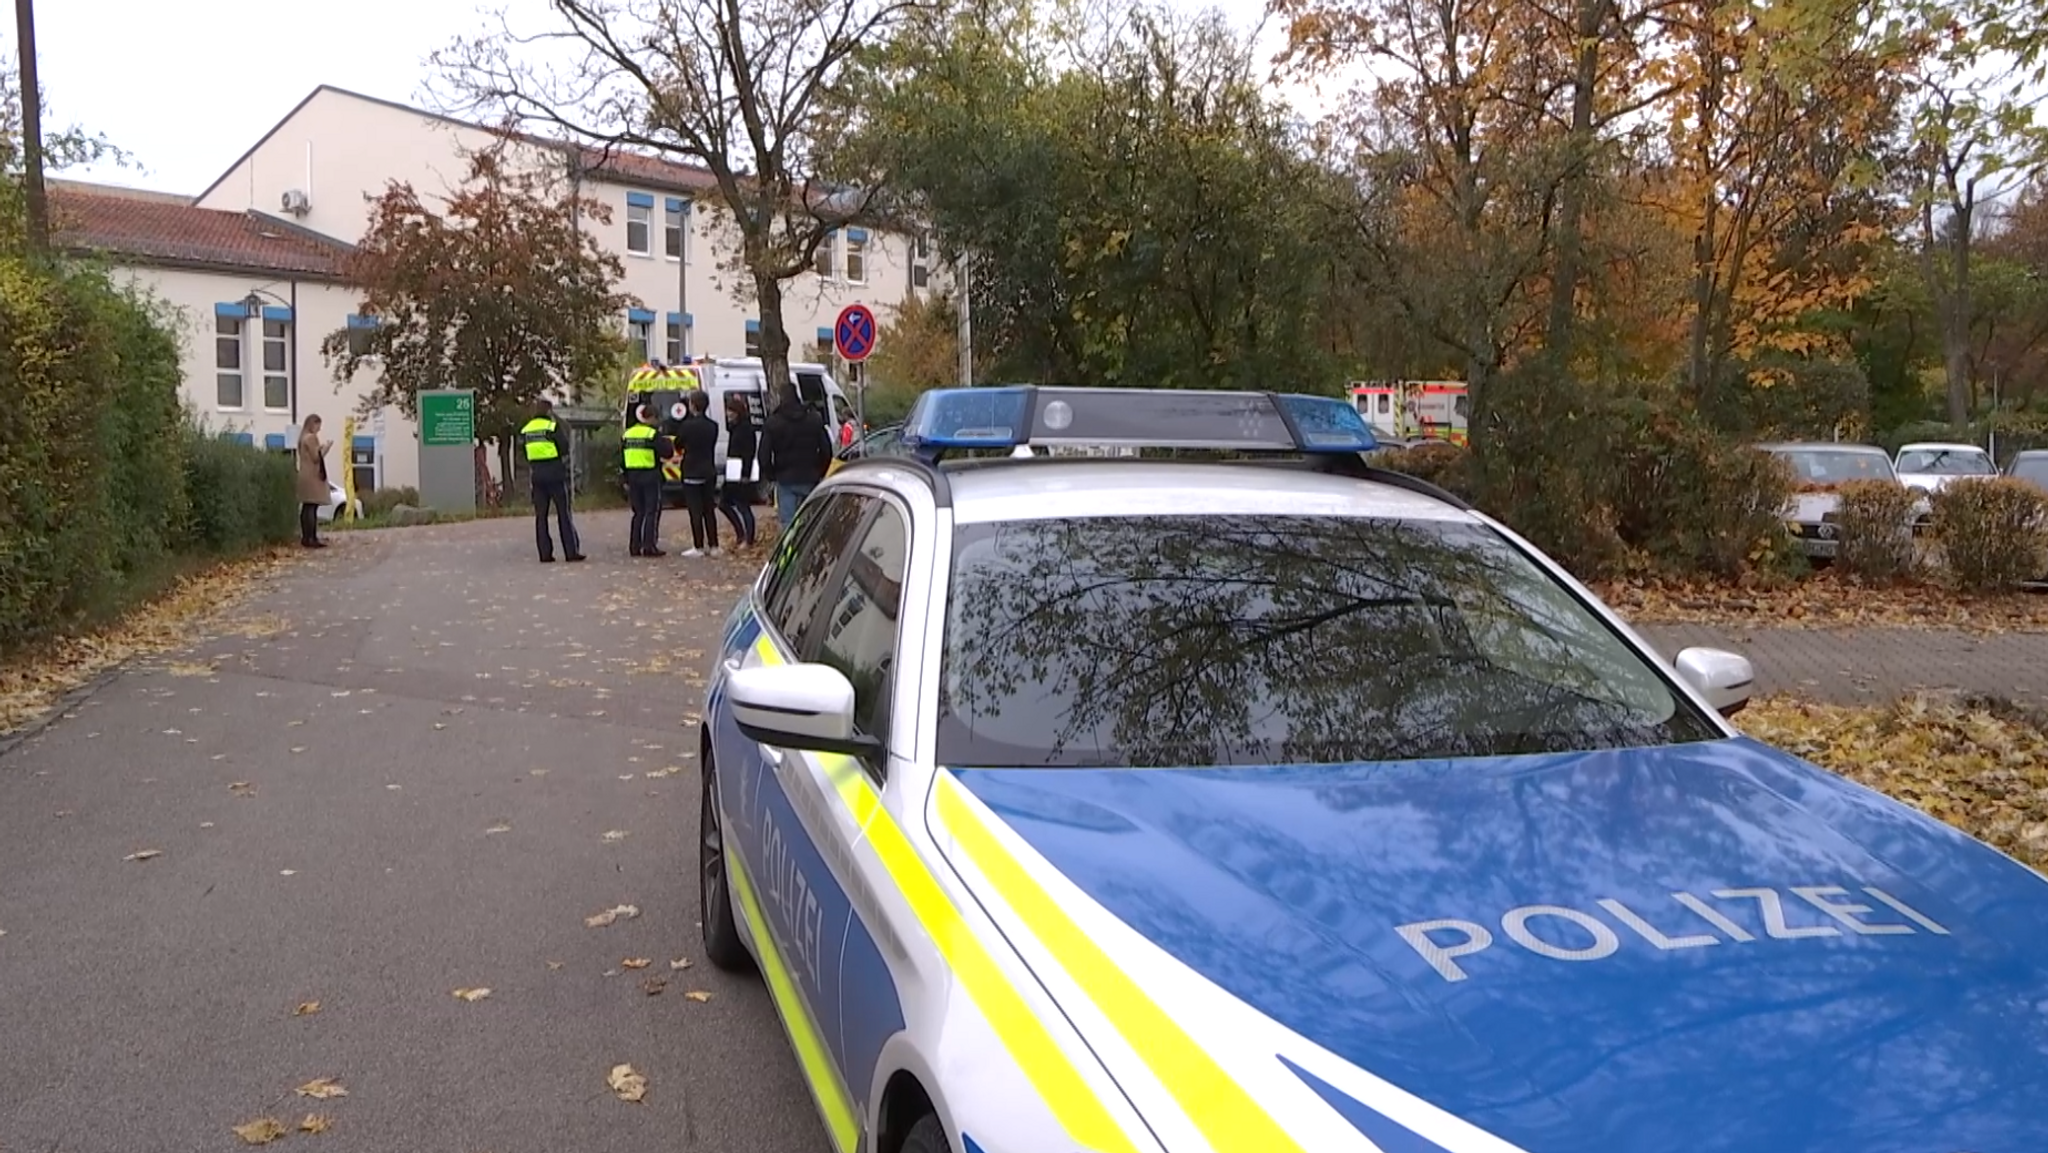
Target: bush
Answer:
[[63, 350], [1445, 465], [1993, 531], [383, 500], [1874, 521], [242, 496]]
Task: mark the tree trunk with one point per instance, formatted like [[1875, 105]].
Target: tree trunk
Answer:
[[1564, 289], [1699, 370], [1955, 318], [774, 341]]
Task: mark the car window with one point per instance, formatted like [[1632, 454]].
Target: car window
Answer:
[[802, 571], [2032, 468], [860, 630], [1947, 462], [1133, 641], [1834, 466]]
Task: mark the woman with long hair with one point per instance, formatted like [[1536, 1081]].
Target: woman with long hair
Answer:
[[312, 484]]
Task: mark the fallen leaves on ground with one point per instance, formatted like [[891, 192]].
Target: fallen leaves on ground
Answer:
[[653, 986], [144, 855], [635, 963], [315, 1123], [321, 1088], [629, 1085], [1978, 764], [698, 995], [1823, 600], [306, 1009], [473, 994], [242, 789], [615, 913], [615, 836], [679, 963], [34, 680], [261, 1131]]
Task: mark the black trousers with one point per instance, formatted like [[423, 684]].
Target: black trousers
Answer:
[[553, 493], [703, 521], [643, 491], [736, 501], [309, 523]]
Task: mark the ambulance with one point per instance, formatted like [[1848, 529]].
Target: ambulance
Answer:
[[1414, 409]]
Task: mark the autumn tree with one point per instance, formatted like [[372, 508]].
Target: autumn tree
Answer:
[[498, 291], [754, 91]]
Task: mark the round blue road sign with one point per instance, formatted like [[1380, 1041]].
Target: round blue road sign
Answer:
[[854, 334]]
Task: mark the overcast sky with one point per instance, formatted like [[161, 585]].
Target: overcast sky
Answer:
[[186, 87]]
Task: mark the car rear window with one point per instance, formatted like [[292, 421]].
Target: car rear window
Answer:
[[1191, 641]]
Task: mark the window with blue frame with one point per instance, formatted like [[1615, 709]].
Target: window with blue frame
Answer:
[[228, 320], [753, 338], [359, 330], [856, 256], [640, 332], [678, 336], [639, 224], [826, 264], [675, 236]]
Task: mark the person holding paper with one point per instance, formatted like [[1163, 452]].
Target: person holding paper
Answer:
[[697, 441], [742, 469]]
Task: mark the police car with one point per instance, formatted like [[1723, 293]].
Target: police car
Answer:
[[1277, 803]]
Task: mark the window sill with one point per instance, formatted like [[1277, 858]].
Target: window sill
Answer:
[[640, 255]]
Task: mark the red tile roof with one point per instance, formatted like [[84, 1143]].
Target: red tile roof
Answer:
[[155, 231]]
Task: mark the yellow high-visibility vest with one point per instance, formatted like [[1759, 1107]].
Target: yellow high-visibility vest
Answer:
[[640, 448], [538, 436]]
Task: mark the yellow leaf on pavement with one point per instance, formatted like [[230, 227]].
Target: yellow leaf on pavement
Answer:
[[629, 1086], [472, 994], [261, 1131], [306, 1009], [315, 1123], [679, 963], [635, 963], [698, 995], [321, 1088]]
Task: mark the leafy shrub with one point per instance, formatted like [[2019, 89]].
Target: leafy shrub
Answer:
[[1446, 465], [383, 500], [1993, 531], [1874, 521], [242, 496]]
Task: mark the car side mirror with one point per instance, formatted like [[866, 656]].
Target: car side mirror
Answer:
[[801, 706], [1724, 678]]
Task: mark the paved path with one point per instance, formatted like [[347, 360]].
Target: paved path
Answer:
[[428, 685], [1875, 665], [389, 703]]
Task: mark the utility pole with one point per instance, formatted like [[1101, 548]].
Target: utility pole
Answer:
[[966, 319], [32, 129]]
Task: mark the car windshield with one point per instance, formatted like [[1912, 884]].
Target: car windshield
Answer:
[[2029, 467], [1947, 462], [1189, 641], [1835, 465]]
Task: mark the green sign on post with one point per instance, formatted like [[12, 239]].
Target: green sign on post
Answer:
[[448, 418]]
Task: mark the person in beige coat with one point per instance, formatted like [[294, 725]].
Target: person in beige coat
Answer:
[[312, 482]]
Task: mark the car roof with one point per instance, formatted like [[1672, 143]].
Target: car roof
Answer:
[[1041, 488], [1938, 446], [2030, 452]]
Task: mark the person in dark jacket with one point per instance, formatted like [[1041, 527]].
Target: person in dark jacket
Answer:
[[796, 449], [697, 440], [736, 494], [547, 464]]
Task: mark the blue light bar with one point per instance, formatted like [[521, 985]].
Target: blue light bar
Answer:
[[1006, 417]]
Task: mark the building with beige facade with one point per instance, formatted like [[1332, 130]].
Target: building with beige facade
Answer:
[[252, 265]]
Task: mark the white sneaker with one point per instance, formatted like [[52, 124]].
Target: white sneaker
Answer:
[[714, 552], [693, 552]]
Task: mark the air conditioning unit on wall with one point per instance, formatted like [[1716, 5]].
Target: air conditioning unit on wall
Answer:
[[297, 202]]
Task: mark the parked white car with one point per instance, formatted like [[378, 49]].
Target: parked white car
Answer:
[[335, 497], [1818, 467], [1929, 467]]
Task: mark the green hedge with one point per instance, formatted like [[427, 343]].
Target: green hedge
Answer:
[[103, 478], [242, 497]]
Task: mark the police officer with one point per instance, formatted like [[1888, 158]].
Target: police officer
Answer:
[[548, 467], [645, 449]]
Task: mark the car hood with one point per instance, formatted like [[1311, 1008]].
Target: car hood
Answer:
[[1810, 507], [1661, 974]]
